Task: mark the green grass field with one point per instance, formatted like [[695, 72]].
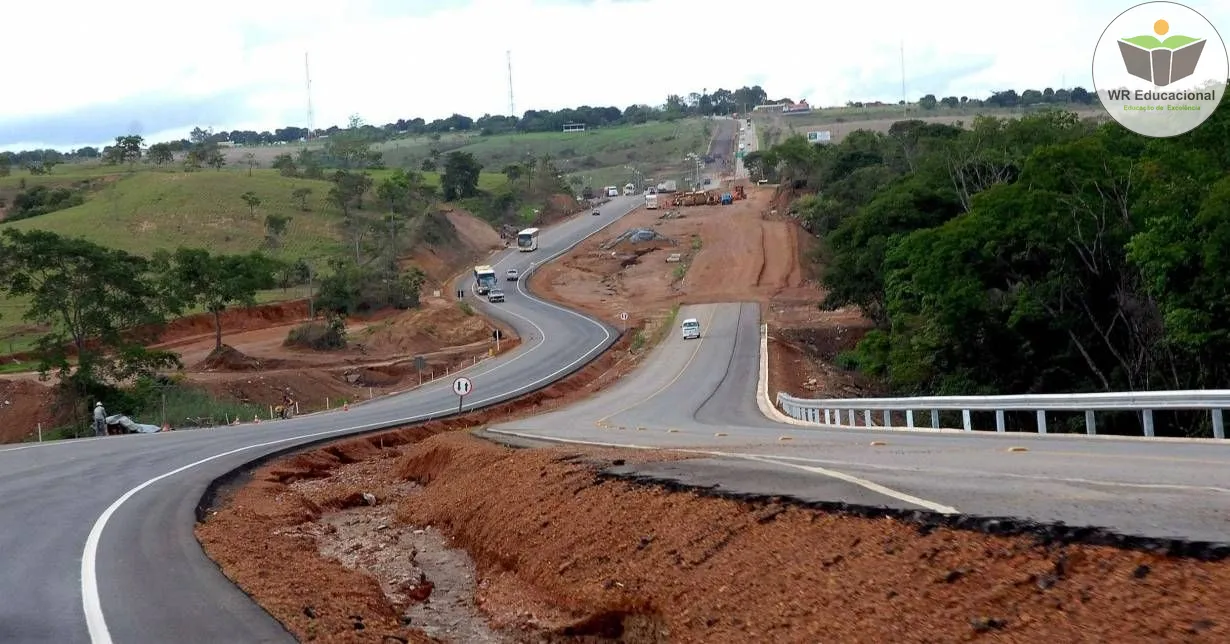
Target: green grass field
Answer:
[[839, 121], [597, 155], [148, 208]]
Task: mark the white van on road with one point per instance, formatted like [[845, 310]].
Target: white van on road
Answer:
[[691, 329]]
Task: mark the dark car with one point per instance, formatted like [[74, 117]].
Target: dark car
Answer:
[[597, 213]]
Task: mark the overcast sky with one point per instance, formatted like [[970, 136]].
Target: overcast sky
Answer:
[[80, 72]]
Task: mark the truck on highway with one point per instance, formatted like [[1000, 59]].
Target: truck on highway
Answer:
[[629, 189], [611, 191], [651, 202], [484, 279], [667, 186]]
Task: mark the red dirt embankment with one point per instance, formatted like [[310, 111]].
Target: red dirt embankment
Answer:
[[562, 555], [257, 366]]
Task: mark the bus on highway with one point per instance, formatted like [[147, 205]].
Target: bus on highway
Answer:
[[527, 240], [484, 279]]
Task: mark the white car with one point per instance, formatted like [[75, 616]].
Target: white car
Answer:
[[495, 295], [690, 329], [512, 275]]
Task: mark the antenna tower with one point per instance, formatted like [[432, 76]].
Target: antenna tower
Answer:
[[311, 117], [512, 109], [905, 102]]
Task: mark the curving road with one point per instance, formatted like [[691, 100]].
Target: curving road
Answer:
[[97, 537], [700, 396]]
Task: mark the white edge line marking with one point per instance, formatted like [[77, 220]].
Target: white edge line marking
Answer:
[[854, 480], [91, 600], [1027, 477]]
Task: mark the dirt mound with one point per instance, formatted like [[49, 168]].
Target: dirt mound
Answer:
[[23, 405], [256, 540], [228, 358], [466, 238], [439, 323]]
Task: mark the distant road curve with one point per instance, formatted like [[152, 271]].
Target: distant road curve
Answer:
[[97, 534], [699, 396]]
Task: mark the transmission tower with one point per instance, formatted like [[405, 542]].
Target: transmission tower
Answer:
[[311, 117], [512, 109]]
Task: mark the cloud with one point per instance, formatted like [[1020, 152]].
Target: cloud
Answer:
[[95, 124], [391, 59]]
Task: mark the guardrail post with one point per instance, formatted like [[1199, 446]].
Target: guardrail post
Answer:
[[1219, 429], [867, 417], [1041, 421], [965, 420], [853, 423], [813, 415], [828, 417], [1148, 418], [888, 419], [1091, 423], [999, 420], [909, 418], [935, 419]]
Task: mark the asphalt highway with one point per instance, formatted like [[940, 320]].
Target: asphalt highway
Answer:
[[700, 396], [96, 534]]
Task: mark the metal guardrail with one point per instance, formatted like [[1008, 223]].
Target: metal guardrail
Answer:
[[829, 411]]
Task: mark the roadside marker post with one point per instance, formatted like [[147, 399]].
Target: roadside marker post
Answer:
[[462, 387], [623, 320], [495, 335], [419, 364]]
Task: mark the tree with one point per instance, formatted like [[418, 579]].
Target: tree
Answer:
[[285, 165], [275, 228], [193, 277], [253, 202], [460, 178], [249, 159], [301, 195], [101, 306], [161, 154], [428, 165]]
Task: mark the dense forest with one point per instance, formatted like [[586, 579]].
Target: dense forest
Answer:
[[1040, 255]]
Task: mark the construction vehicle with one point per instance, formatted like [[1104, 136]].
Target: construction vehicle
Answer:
[[727, 199], [740, 193], [651, 202], [484, 279]]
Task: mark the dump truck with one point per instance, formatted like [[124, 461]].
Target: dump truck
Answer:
[[484, 279]]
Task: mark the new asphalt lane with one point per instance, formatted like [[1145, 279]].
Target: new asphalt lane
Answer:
[[700, 396], [97, 536]]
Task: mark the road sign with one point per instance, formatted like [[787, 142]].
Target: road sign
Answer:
[[623, 316], [420, 363], [462, 386]]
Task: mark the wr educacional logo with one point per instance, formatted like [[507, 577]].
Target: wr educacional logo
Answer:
[[1163, 83]]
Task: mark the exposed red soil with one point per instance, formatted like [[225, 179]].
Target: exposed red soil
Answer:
[[560, 555], [256, 366], [747, 251], [254, 537], [23, 405], [557, 551]]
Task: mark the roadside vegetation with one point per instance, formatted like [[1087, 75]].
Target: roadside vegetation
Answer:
[[1034, 255]]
